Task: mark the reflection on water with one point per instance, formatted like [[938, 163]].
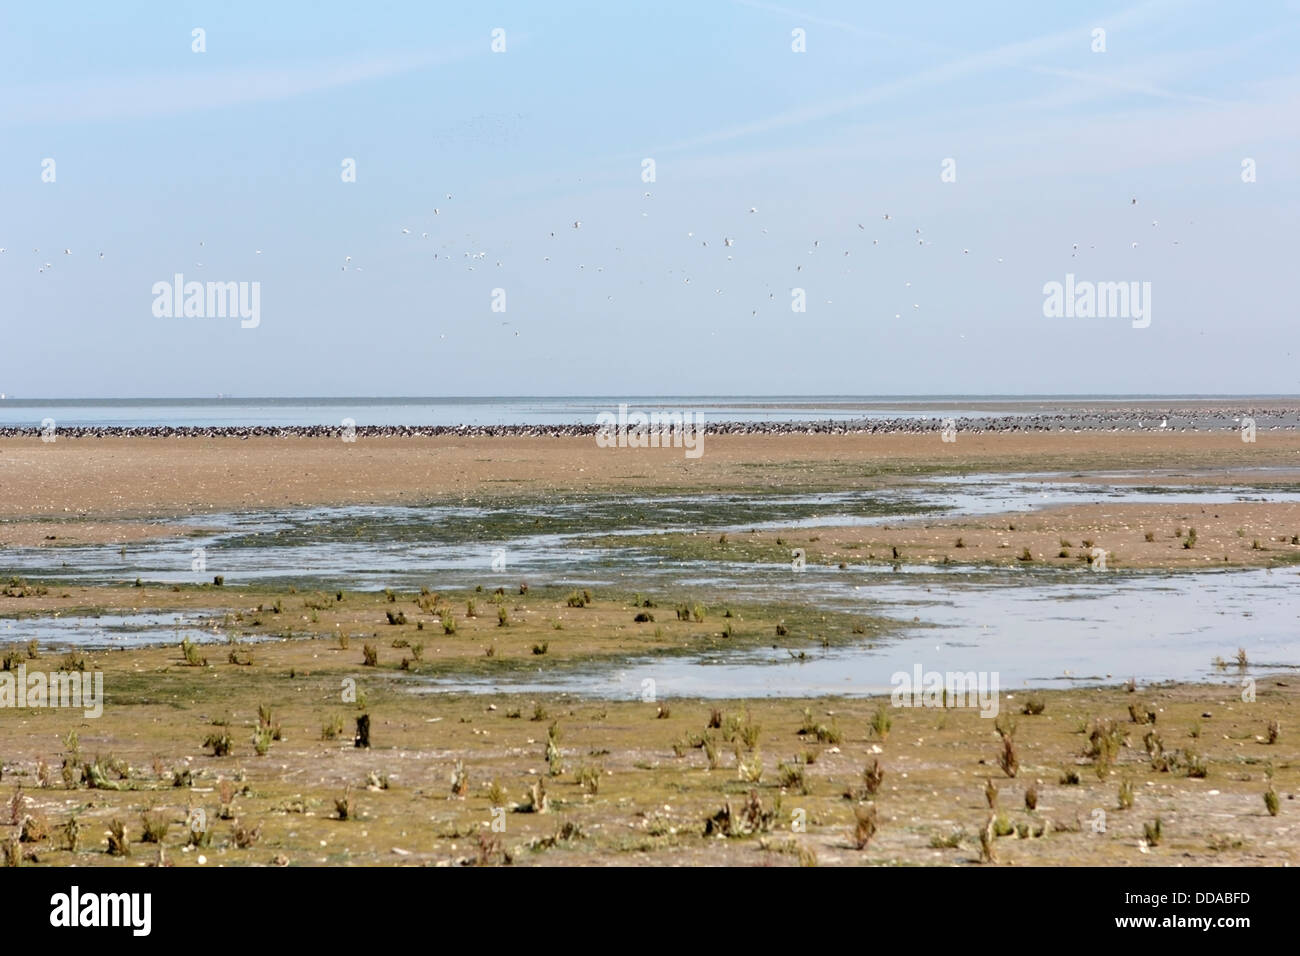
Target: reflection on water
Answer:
[[112, 630], [1032, 628]]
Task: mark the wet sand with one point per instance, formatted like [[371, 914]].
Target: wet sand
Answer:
[[107, 478]]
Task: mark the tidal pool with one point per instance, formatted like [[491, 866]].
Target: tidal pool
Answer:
[[1028, 625]]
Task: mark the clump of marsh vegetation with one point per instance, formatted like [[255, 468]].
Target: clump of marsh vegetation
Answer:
[[118, 842], [1105, 739], [866, 822], [1141, 713], [742, 821], [988, 849], [881, 722], [1007, 759], [72, 833], [226, 794], [792, 777], [1271, 801], [873, 775], [1126, 795], [369, 655], [265, 722], [823, 733], [589, 779], [244, 835], [535, 800], [34, 828], [345, 806], [459, 780], [949, 841], [554, 757], [153, 827], [219, 743], [262, 737], [190, 653], [1153, 832], [749, 768]]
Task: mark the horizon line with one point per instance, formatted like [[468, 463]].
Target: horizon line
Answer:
[[912, 396]]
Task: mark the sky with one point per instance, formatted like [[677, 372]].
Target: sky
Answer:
[[1005, 149]]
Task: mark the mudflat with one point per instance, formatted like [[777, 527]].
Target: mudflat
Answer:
[[244, 749]]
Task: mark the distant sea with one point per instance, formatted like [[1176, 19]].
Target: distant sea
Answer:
[[523, 410]]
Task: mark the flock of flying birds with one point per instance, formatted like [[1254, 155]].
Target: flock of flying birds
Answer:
[[470, 258]]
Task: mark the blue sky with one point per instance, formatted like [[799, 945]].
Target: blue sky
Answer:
[[158, 149]]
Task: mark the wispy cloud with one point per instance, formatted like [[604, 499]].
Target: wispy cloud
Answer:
[[1006, 56], [841, 25], [175, 93]]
